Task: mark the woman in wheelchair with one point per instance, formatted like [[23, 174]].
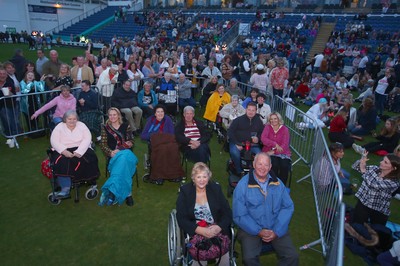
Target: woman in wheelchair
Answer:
[[165, 161], [73, 157], [116, 144], [217, 100], [159, 122], [203, 210]]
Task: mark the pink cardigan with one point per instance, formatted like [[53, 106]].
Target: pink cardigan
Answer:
[[63, 105], [269, 139], [63, 138]]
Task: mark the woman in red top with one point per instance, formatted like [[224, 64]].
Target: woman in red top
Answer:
[[338, 129], [302, 90]]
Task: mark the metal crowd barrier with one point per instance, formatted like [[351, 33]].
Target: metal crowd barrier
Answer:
[[311, 147], [16, 112], [328, 194], [300, 137]]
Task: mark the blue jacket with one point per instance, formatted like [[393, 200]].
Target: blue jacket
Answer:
[[254, 211], [142, 103]]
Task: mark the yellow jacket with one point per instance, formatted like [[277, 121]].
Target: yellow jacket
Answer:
[[214, 103]]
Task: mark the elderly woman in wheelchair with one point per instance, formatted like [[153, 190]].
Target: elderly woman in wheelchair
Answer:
[[163, 148], [204, 214]]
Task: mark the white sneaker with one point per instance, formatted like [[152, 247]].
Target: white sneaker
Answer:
[[358, 149], [301, 125], [397, 196], [10, 143], [98, 138]]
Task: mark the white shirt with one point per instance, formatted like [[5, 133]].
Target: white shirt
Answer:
[[318, 60], [363, 62]]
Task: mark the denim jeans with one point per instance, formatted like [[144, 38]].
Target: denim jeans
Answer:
[[64, 182], [380, 100], [10, 121], [187, 101], [235, 155]]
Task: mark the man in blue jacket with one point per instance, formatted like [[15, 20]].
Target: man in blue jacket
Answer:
[[262, 209]]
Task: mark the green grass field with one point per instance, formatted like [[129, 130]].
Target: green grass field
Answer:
[[33, 232]]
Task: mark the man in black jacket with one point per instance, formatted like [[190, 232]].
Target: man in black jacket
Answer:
[[125, 99], [247, 127], [88, 108]]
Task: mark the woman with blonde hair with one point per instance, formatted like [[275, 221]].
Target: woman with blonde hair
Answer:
[[276, 139], [64, 77], [116, 144], [203, 211]]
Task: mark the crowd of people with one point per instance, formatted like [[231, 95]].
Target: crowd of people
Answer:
[[161, 81]]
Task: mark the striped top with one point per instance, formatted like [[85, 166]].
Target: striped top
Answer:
[[192, 132]]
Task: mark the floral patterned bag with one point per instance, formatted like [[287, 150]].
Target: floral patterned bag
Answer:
[[202, 248]]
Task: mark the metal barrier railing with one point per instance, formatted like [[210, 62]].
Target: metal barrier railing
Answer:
[[16, 112], [310, 146], [300, 138], [328, 195]]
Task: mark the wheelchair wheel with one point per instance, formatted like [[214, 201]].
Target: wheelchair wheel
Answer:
[[146, 178], [53, 200], [91, 193], [174, 240]]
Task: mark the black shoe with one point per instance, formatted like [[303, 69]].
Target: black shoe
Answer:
[[159, 182], [129, 201], [176, 180]]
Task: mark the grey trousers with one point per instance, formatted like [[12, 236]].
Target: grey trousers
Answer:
[[133, 115], [251, 249]]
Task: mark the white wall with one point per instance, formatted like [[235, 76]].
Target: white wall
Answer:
[[12, 15], [16, 14]]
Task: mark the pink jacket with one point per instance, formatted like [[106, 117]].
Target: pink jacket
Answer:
[[63, 105], [62, 138], [269, 139]]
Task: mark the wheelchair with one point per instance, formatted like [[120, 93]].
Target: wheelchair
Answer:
[[163, 149], [47, 169], [246, 161], [178, 241]]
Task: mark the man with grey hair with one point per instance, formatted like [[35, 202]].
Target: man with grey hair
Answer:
[[52, 68], [185, 92], [193, 137], [262, 209]]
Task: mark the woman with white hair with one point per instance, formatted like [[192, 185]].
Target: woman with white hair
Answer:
[[231, 110], [260, 78], [73, 156], [319, 112], [233, 89]]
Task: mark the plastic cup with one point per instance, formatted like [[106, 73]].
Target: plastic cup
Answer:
[[5, 91]]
